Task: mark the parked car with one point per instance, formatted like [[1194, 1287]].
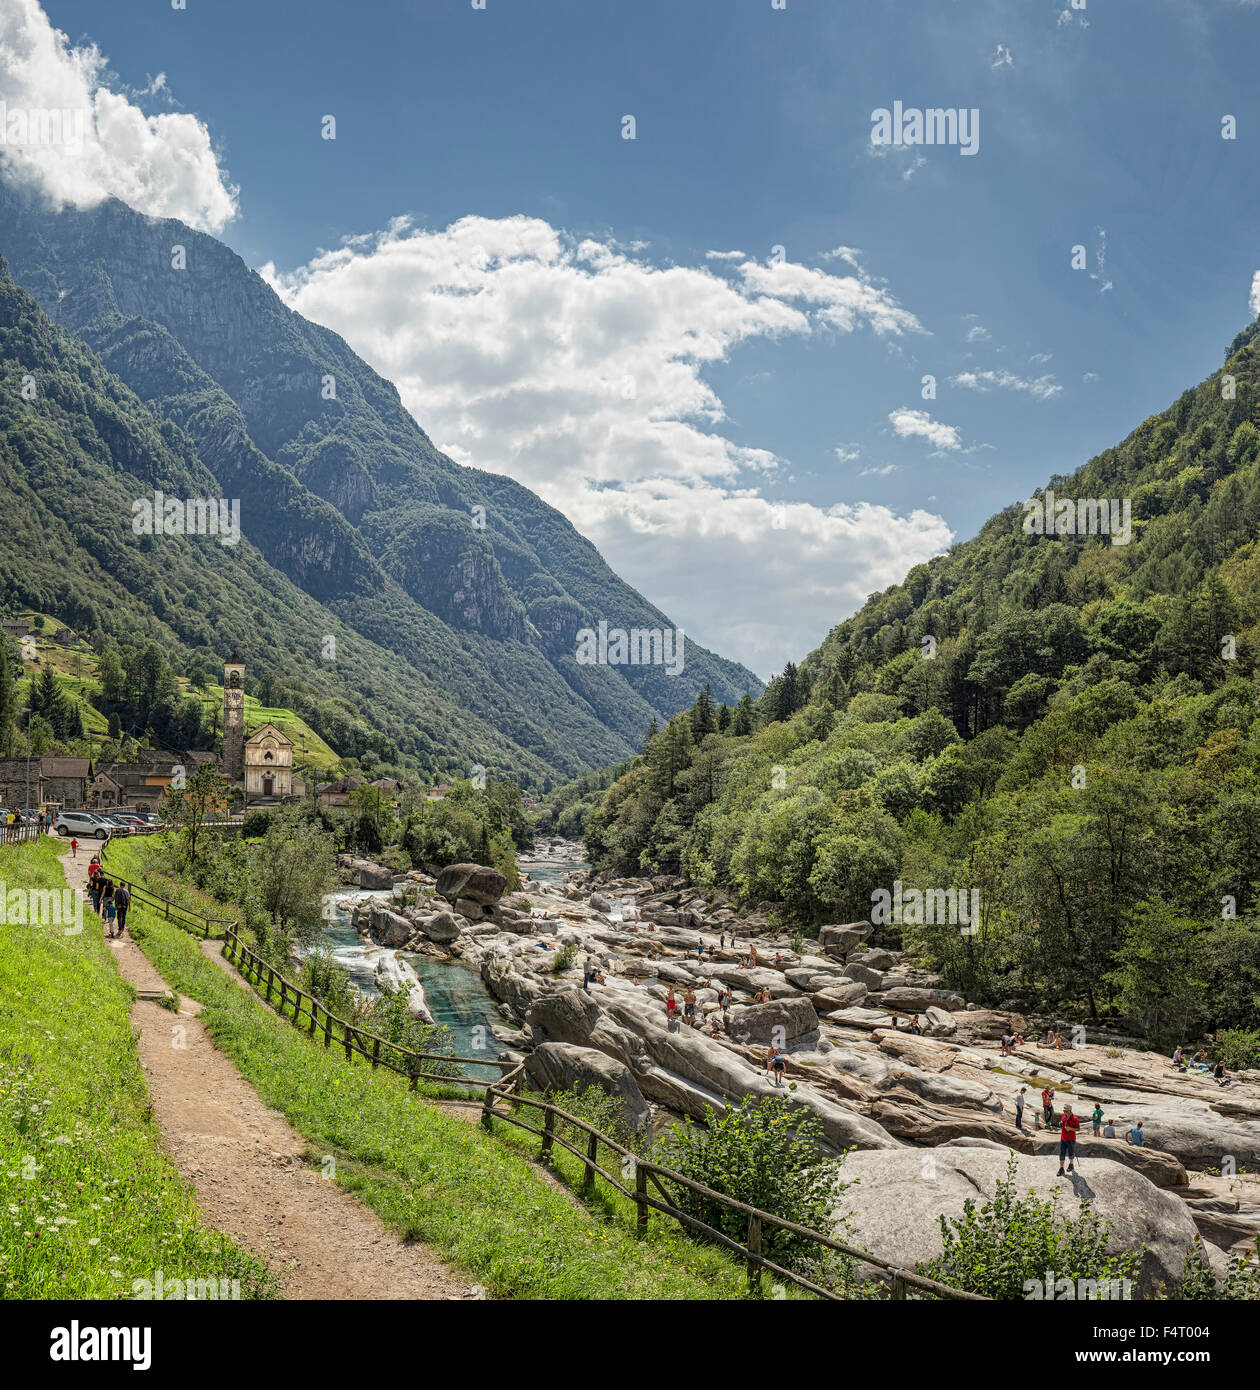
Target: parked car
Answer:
[[119, 823], [83, 823]]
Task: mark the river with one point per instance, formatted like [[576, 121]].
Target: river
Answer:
[[455, 994]]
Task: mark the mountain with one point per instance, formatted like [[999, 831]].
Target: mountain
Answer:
[[1065, 725], [346, 500]]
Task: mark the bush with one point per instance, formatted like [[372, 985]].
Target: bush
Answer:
[[1239, 1048], [765, 1153], [1005, 1247], [255, 824], [396, 859], [606, 1113], [1199, 1283], [565, 957]]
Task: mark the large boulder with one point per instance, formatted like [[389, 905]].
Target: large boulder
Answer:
[[475, 881], [557, 1066], [937, 1023], [874, 958], [910, 1000], [778, 1022], [839, 996], [369, 875], [388, 928], [896, 1206], [864, 975], [439, 927], [839, 939]]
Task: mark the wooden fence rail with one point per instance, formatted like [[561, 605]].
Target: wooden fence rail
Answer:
[[298, 1004], [18, 834]]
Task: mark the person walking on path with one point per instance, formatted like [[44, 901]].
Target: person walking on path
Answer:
[[74, 848], [1068, 1128], [122, 901], [1019, 1107], [111, 916], [1096, 1119], [775, 1065]]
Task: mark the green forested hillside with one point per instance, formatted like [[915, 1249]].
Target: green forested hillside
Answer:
[[1068, 726], [345, 496]]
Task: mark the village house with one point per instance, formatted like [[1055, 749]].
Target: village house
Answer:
[[65, 781], [138, 786], [14, 785]]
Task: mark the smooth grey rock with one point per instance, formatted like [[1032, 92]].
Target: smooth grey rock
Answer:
[[557, 1066], [895, 1208], [475, 881], [784, 1019]]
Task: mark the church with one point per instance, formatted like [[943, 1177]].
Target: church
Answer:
[[263, 762]]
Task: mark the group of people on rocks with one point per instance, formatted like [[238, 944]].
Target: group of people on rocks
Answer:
[[1069, 1125], [110, 901], [1201, 1062]]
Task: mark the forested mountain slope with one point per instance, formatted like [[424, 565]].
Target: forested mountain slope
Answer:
[[1069, 726], [344, 493]]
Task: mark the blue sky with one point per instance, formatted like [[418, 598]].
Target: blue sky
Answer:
[[1098, 126]]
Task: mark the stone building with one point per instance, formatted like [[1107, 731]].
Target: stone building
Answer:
[[268, 764], [65, 781], [13, 783]]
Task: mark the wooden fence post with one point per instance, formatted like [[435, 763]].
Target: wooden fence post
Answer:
[[754, 1248], [376, 1053], [592, 1153], [346, 1028], [271, 980], [548, 1133], [898, 1286], [487, 1105], [640, 1197]]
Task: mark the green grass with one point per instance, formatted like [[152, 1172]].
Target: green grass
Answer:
[[432, 1177], [88, 1201]]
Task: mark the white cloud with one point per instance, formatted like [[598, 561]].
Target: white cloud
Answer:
[[848, 453], [162, 165], [908, 424], [1042, 387], [978, 333], [579, 370], [725, 256], [848, 254], [1002, 58], [881, 472], [1254, 302]]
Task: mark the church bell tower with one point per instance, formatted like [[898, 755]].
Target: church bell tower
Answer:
[[234, 719]]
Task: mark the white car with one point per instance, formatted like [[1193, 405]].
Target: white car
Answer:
[[82, 823]]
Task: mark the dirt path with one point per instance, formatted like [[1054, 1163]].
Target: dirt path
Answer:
[[246, 1163]]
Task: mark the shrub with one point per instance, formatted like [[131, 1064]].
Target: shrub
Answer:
[[1240, 1284], [1239, 1048], [765, 1153], [565, 957], [1004, 1247]]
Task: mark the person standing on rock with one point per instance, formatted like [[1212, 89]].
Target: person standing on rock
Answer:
[[775, 1065], [1047, 1105], [689, 1006], [1135, 1136], [671, 1005], [1068, 1128], [1096, 1119], [1019, 1107], [586, 974]]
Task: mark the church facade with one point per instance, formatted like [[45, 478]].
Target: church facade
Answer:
[[268, 757]]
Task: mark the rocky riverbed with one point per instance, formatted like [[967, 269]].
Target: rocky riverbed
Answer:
[[839, 1006]]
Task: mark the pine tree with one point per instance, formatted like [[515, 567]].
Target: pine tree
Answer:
[[702, 721], [723, 718], [742, 723]]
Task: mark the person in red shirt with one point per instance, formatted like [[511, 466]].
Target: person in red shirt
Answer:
[[1068, 1126]]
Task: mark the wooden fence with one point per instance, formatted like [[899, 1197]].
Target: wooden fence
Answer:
[[509, 1093], [18, 834]]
